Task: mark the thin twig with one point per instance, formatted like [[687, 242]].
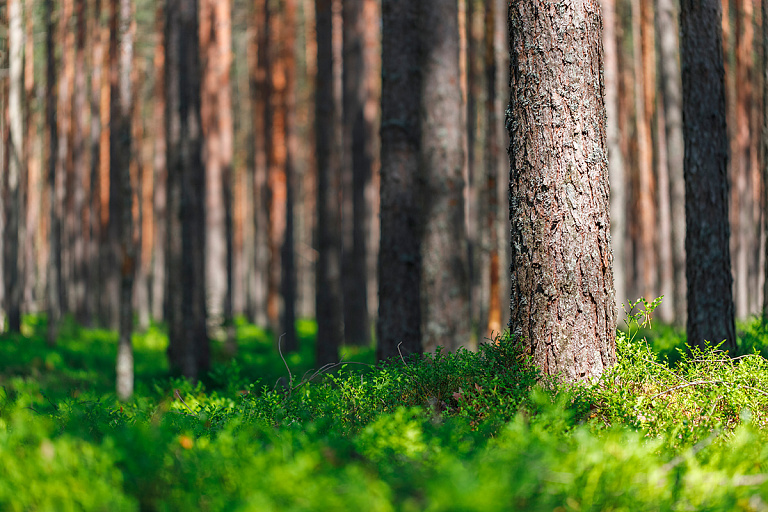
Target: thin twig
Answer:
[[280, 351], [401, 354], [178, 395], [698, 382]]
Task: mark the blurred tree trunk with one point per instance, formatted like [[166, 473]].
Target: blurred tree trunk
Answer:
[[330, 334], [445, 269], [216, 45], [493, 326], [399, 321], [477, 232], [616, 170], [357, 168], [284, 178], [159, 276], [121, 192], [33, 248], [764, 170], [742, 158], [54, 177], [646, 208], [563, 304], [260, 99], [80, 186], [188, 350], [671, 92], [13, 228], [708, 265]]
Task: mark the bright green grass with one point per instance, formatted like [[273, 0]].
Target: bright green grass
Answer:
[[466, 431]]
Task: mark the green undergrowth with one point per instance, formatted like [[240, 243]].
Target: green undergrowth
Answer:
[[465, 431]]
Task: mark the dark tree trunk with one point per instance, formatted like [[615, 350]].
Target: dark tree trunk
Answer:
[[399, 323], [54, 241], [563, 304], [121, 193], [328, 272], [708, 262], [189, 350], [159, 277], [358, 162], [445, 269]]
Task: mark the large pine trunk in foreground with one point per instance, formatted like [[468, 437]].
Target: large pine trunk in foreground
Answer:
[[563, 306], [708, 261]]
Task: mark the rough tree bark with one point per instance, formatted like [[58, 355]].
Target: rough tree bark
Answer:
[[708, 263], [563, 304]]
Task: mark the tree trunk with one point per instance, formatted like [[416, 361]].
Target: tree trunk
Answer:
[[188, 350], [708, 264], [445, 269], [121, 193], [13, 229], [764, 12], [616, 170], [491, 171], [159, 276], [358, 162], [399, 323], [260, 98], [216, 44], [563, 304], [54, 243], [330, 332], [671, 91]]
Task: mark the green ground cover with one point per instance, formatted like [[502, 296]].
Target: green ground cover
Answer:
[[663, 430]]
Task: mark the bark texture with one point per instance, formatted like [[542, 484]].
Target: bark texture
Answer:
[[708, 264], [563, 304]]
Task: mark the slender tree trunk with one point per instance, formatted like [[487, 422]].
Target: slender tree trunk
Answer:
[[121, 192], [708, 265], [80, 209], [330, 327], [260, 91], [399, 323], [188, 349], [159, 276], [491, 171], [216, 44], [358, 162], [13, 231], [616, 170], [671, 91], [664, 221], [32, 151], [563, 304], [54, 243], [66, 151], [764, 12]]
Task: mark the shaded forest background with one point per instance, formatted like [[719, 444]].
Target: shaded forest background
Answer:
[[261, 118]]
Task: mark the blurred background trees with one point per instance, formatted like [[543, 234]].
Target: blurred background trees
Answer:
[[293, 126]]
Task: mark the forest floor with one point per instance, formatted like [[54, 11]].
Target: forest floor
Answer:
[[665, 429]]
